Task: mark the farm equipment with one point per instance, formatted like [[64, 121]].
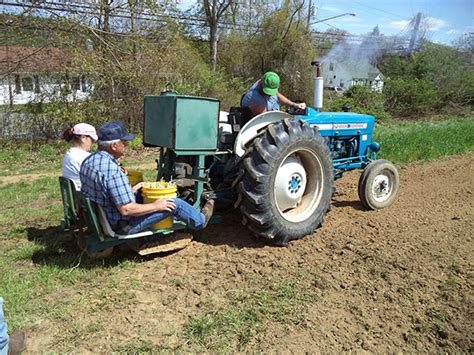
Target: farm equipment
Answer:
[[277, 168]]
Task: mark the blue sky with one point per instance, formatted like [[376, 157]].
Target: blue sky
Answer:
[[444, 20]]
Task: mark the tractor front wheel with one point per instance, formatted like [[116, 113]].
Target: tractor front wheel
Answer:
[[287, 183], [379, 185]]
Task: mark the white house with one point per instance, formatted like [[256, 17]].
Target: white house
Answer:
[[346, 74], [37, 75]]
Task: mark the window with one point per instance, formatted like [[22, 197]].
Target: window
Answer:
[[27, 83]]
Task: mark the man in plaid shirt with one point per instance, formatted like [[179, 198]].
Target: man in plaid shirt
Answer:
[[104, 182]]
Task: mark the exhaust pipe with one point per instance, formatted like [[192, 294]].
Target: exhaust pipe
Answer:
[[318, 87]]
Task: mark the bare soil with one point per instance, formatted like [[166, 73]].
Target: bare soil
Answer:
[[398, 279]]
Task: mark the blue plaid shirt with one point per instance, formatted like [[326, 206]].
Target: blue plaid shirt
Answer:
[[104, 182]]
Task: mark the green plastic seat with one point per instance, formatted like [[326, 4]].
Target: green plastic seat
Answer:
[[68, 194]]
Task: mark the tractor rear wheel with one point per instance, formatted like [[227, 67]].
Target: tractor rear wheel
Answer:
[[379, 185], [287, 182]]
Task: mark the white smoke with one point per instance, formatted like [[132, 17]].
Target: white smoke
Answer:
[[365, 52], [350, 60]]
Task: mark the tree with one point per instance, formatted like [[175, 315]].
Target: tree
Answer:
[[326, 40], [215, 10], [465, 43], [437, 77]]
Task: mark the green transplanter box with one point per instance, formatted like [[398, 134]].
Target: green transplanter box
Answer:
[[182, 123]]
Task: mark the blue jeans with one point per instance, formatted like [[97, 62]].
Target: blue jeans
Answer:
[[3, 332], [183, 212]]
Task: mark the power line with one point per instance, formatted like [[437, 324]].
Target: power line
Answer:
[[376, 9], [143, 16], [83, 9]]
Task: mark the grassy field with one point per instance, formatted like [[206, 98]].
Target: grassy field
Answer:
[[402, 142], [38, 259], [405, 142]]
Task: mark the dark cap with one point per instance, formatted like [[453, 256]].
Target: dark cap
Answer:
[[114, 130]]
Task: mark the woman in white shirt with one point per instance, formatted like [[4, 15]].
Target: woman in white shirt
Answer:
[[81, 137]]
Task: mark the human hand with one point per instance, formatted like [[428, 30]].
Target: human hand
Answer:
[[300, 106], [137, 187], [164, 204]]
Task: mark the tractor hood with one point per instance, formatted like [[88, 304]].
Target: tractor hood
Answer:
[[339, 123]]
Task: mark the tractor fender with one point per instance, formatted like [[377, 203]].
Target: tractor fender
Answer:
[[253, 127]]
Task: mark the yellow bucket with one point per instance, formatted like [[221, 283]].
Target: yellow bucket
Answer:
[[134, 177], [153, 191]]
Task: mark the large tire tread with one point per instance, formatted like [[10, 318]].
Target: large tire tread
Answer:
[[255, 191]]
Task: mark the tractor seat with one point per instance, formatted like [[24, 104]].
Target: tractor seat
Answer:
[[108, 231]]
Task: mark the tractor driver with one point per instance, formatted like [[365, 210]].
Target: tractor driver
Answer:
[[263, 96], [104, 182]]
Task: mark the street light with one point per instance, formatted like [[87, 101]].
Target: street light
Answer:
[[333, 17]]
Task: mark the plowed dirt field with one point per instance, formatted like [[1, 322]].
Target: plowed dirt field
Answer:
[[398, 279]]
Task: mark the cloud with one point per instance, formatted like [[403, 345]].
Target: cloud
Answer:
[[434, 24], [400, 24], [429, 23], [452, 32]]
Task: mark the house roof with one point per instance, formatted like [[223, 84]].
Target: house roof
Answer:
[[16, 59]]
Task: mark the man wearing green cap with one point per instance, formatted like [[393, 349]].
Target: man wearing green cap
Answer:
[[263, 96]]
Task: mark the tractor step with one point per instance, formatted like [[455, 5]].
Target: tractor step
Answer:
[[173, 242]]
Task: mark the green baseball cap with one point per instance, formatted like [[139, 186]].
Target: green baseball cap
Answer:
[[270, 83]]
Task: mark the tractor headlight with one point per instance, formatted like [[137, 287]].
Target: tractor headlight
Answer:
[[374, 146]]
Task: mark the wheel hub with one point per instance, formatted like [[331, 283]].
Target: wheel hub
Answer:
[[381, 188], [290, 183], [299, 185], [295, 183]]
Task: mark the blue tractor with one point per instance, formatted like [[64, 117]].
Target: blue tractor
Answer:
[[277, 168]]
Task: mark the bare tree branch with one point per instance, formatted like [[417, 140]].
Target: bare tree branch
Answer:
[[291, 21]]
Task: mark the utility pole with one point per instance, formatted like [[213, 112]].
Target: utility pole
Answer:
[[310, 11], [250, 15], [414, 33]]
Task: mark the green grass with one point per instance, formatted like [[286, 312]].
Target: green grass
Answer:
[[402, 142], [22, 158], [37, 202], [39, 282], [405, 142], [37, 257], [454, 267], [450, 284], [245, 317], [136, 346]]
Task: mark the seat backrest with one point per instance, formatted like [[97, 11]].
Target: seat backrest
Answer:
[[68, 194], [88, 214], [247, 114]]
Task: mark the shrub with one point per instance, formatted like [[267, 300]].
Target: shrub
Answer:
[[361, 99], [406, 96]]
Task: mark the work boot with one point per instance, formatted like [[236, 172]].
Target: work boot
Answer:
[[17, 343], [208, 211]]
